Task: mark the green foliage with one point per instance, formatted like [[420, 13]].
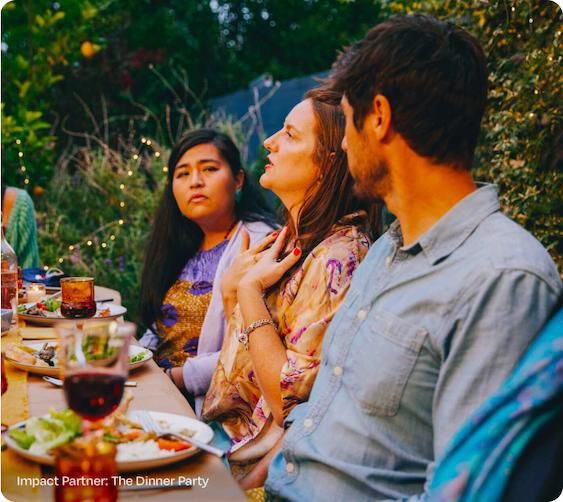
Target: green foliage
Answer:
[[84, 230], [40, 45], [521, 142]]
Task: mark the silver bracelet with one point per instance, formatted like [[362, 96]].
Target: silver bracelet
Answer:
[[243, 336]]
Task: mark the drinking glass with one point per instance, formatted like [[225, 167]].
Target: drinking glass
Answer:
[[77, 295], [85, 470], [95, 362]]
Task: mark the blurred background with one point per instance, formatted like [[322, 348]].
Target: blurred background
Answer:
[[94, 93]]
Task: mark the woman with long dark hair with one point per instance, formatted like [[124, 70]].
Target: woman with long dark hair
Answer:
[[208, 208], [286, 289]]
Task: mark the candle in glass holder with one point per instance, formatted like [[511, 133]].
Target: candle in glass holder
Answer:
[[35, 292]]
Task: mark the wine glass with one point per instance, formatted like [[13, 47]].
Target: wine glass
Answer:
[[95, 362]]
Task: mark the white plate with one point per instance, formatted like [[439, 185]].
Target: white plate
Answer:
[[54, 371], [175, 423], [52, 318]]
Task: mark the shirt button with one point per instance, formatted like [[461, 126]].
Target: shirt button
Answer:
[[388, 261], [337, 370], [289, 467], [307, 423], [361, 315]]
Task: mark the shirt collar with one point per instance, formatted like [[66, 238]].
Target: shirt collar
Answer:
[[450, 231]]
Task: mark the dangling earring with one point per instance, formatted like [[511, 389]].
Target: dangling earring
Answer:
[[238, 195]]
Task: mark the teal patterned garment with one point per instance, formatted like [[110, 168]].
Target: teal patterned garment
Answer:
[[478, 463], [21, 231]]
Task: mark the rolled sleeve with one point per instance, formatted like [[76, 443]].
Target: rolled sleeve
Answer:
[[149, 340], [198, 372]]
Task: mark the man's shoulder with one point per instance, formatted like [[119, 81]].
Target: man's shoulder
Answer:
[[506, 246]]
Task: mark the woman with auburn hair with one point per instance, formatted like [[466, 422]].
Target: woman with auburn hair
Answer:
[[282, 293], [207, 208]]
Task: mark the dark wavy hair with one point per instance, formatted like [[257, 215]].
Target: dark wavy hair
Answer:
[[333, 197], [434, 76], [174, 238]]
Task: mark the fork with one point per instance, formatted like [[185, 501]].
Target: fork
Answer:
[[151, 425]]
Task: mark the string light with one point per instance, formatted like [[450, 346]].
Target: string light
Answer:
[[87, 240], [23, 169]]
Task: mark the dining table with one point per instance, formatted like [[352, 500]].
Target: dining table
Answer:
[[28, 395]]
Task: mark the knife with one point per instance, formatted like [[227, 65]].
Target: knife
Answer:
[[59, 383]]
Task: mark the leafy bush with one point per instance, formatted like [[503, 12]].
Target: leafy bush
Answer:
[[522, 140], [97, 214]]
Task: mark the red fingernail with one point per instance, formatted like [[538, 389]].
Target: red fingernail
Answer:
[[274, 234], [297, 251]]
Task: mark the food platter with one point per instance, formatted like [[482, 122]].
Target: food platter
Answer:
[[126, 462], [105, 311], [140, 356]]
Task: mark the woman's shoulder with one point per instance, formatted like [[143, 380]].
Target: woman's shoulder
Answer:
[[348, 237]]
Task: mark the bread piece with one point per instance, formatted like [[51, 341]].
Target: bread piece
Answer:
[[21, 356]]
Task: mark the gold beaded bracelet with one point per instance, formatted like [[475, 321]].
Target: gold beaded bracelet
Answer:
[[243, 336]]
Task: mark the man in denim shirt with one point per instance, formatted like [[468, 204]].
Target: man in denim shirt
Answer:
[[445, 303]]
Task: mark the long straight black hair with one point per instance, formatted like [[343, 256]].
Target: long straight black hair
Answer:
[[174, 238]]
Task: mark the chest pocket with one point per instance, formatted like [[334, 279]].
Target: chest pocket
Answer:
[[382, 361]]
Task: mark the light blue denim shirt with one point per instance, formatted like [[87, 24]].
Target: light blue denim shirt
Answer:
[[426, 334]]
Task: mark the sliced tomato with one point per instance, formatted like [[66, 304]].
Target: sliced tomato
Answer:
[[168, 444]]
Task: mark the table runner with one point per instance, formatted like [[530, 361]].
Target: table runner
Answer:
[[15, 408]]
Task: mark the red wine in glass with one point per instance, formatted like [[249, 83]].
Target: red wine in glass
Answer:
[[93, 395]]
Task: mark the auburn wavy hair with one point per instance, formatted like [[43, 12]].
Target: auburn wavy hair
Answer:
[[333, 196]]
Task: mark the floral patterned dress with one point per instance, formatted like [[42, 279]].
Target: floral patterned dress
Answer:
[[302, 308], [184, 307]]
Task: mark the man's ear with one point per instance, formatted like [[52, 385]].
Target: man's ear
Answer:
[[380, 118]]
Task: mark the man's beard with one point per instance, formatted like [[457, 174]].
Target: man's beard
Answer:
[[375, 184]]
